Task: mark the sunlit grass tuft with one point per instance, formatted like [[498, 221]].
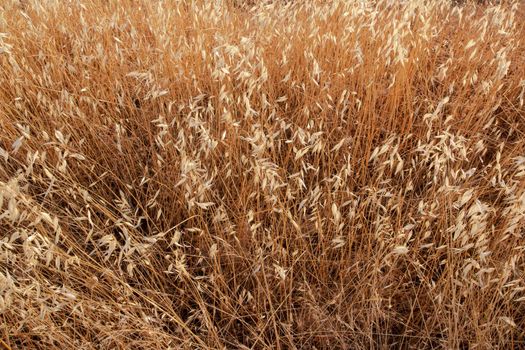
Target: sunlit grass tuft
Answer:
[[303, 175]]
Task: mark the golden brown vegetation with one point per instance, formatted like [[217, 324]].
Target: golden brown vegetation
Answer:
[[338, 174]]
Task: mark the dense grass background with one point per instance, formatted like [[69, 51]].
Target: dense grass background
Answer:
[[310, 175]]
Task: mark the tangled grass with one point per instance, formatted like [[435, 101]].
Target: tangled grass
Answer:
[[287, 175]]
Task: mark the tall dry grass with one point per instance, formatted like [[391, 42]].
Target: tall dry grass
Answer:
[[301, 175]]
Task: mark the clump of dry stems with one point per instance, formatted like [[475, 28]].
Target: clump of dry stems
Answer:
[[284, 175]]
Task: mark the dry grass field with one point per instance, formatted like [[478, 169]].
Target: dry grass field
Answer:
[[275, 175]]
